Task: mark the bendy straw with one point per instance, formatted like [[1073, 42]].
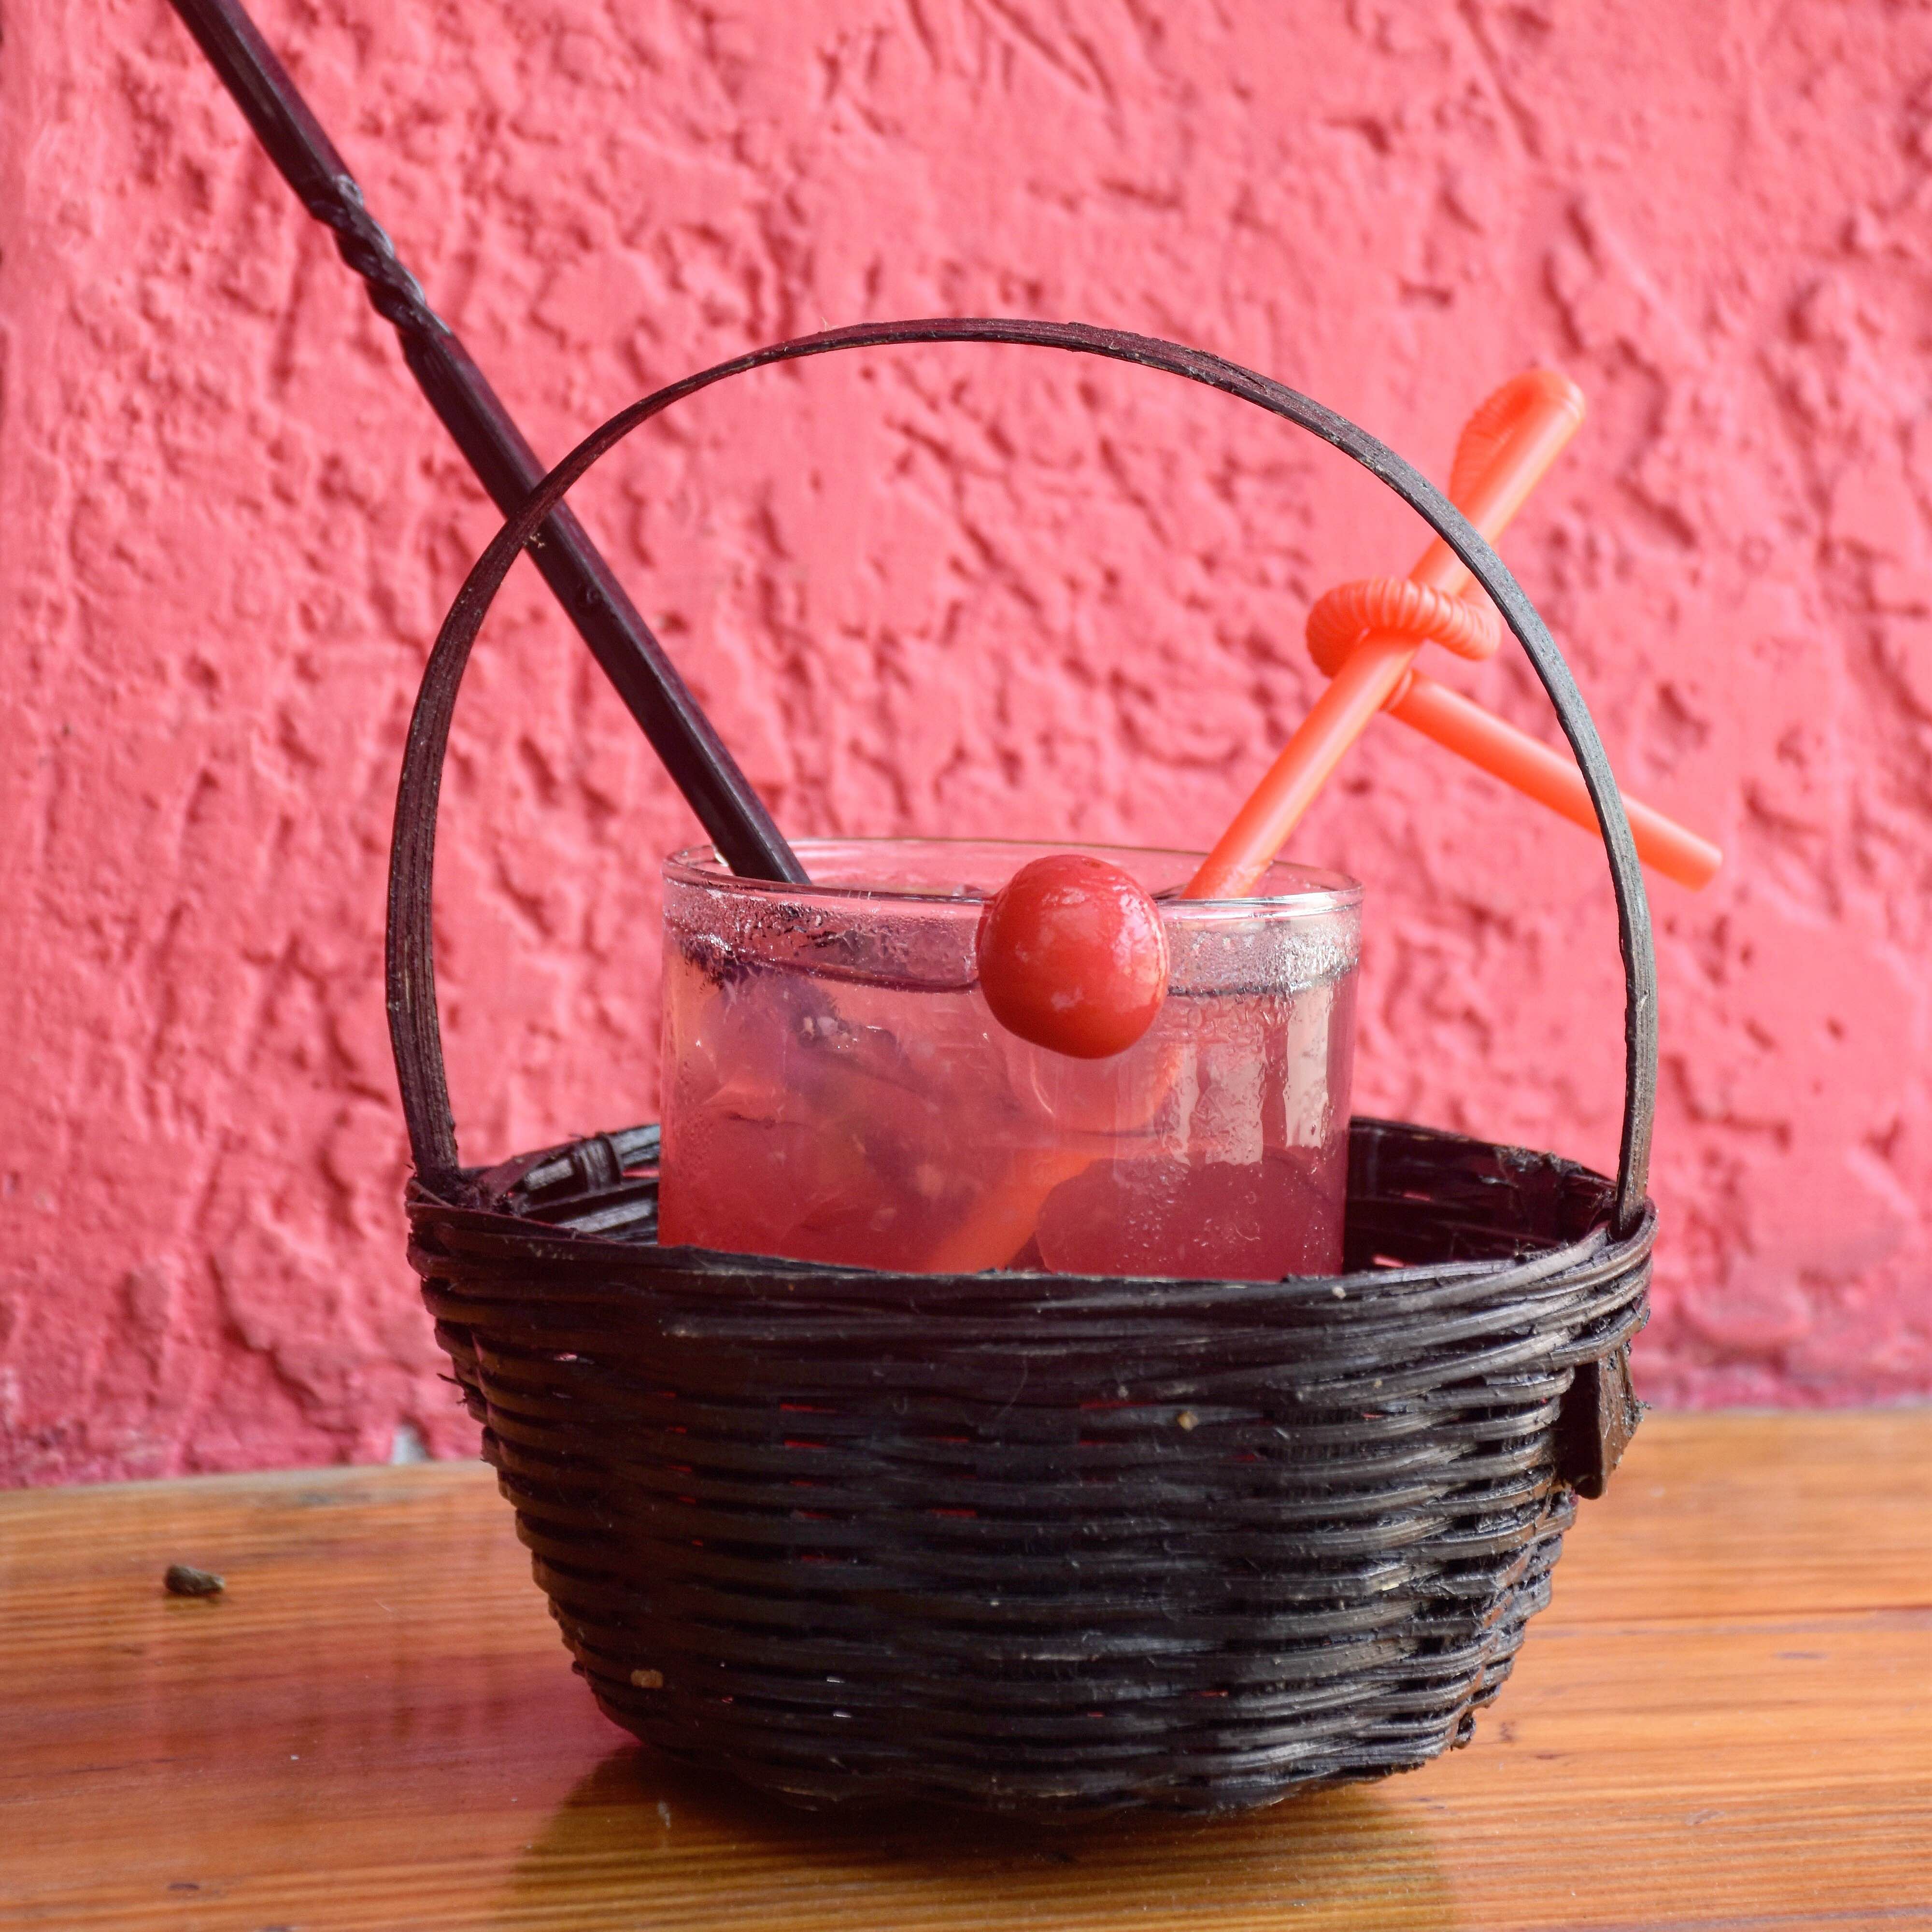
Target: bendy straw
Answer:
[[1365, 636], [1521, 430]]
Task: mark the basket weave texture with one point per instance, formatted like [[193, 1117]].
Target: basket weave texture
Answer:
[[1016, 1541], [1011, 1540]]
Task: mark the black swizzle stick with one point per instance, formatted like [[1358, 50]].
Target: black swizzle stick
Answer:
[[730, 811]]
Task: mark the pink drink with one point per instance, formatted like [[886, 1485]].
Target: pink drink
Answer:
[[838, 1091]]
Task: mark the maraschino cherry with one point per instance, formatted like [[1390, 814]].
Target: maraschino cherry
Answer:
[[1073, 956]]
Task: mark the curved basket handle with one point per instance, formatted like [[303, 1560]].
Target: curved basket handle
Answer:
[[413, 1030]]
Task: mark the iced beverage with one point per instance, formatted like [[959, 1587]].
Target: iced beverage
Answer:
[[837, 1090]]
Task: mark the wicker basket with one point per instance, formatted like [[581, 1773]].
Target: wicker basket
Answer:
[[1015, 1540]]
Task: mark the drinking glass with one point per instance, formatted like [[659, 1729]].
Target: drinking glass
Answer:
[[837, 1090]]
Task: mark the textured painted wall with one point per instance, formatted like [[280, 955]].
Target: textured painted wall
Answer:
[[964, 590]]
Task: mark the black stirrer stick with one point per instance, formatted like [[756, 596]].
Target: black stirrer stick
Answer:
[[744, 832]]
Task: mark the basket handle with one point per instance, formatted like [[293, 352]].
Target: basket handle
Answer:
[[413, 1029]]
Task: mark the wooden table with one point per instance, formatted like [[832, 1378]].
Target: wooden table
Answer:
[[1724, 1720]]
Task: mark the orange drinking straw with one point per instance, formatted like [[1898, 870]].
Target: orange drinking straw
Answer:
[[1551, 778], [1511, 440], [1506, 446], [1472, 630]]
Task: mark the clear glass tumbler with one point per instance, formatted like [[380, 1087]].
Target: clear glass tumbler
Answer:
[[837, 1090]]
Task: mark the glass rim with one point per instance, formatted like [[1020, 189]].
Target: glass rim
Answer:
[[701, 865]]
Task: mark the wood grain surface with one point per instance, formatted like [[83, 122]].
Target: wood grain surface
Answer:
[[1723, 1721]]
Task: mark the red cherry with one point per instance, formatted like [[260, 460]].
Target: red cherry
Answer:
[[1073, 957]]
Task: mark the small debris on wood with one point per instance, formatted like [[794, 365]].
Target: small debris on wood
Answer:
[[183, 1579], [648, 1680]]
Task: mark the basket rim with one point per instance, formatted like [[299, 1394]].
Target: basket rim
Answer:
[[480, 1215]]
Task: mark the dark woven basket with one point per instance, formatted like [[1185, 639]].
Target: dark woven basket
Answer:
[[1013, 1541]]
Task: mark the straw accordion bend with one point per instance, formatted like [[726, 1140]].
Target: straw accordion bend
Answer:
[[1399, 607]]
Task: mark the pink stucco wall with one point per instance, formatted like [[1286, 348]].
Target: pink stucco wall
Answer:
[[965, 590]]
